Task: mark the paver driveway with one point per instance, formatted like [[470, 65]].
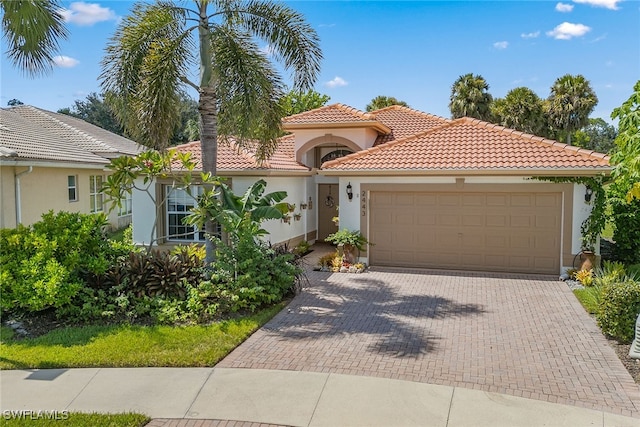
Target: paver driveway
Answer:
[[526, 336]]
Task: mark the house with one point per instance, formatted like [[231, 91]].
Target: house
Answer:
[[425, 190], [51, 161]]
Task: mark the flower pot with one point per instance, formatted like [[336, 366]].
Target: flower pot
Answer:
[[588, 259]]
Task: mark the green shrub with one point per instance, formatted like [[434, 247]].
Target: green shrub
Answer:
[[619, 308], [31, 278], [626, 218], [47, 264], [253, 272]]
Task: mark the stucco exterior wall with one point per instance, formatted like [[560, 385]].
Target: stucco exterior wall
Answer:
[[7, 197], [296, 188], [45, 189]]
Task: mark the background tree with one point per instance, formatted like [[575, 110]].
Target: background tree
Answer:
[[32, 30], [94, 110], [186, 129], [382, 101], [13, 102], [470, 97], [522, 110], [571, 101], [148, 60], [598, 136], [627, 156], [295, 101]]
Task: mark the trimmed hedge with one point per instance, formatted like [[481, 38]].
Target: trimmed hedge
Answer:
[[619, 309]]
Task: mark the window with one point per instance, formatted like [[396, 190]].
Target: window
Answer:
[[72, 187], [179, 205], [95, 193], [125, 205]]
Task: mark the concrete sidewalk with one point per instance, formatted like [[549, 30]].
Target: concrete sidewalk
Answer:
[[281, 397]]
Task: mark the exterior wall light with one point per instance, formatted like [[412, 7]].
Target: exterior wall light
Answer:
[[349, 191], [587, 194]]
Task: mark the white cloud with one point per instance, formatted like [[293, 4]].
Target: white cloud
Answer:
[[609, 4], [567, 31], [609, 63], [564, 7], [336, 82], [501, 45], [530, 35], [86, 14], [65, 61], [326, 25]]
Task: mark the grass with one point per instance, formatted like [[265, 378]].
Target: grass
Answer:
[[131, 346], [74, 419], [589, 297]]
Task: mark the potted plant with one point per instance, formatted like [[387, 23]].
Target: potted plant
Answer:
[[349, 241]]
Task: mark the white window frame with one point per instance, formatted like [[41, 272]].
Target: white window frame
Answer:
[[178, 206], [126, 205], [73, 188], [96, 198]]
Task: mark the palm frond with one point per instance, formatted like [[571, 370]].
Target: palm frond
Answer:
[[32, 30], [248, 90], [142, 70], [291, 39]]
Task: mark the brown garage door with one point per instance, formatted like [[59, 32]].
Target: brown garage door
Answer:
[[514, 232]]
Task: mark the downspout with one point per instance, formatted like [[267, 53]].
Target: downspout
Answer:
[[18, 197]]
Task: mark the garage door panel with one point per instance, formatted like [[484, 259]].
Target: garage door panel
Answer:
[[496, 200], [402, 199], [518, 232], [521, 200], [448, 220], [496, 220], [521, 221], [426, 219], [474, 220]]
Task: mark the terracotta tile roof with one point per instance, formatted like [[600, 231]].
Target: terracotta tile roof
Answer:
[[405, 122], [470, 144], [30, 133], [230, 158], [335, 113]]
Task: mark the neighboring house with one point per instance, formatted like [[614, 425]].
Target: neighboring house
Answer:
[[51, 161], [425, 190]]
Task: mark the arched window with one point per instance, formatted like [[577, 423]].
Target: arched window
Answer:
[[334, 155]]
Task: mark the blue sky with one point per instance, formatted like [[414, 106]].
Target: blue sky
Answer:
[[412, 50]]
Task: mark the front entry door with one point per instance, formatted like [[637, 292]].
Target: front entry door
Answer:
[[327, 209]]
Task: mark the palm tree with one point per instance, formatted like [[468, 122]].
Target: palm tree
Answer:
[[382, 101], [147, 64], [32, 30], [470, 98], [522, 110], [571, 101]]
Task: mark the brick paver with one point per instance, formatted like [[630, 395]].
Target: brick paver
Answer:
[[526, 336]]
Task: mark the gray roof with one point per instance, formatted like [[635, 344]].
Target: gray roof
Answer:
[[30, 133]]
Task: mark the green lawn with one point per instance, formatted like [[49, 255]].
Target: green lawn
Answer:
[[589, 298], [131, 346], [74, 419]]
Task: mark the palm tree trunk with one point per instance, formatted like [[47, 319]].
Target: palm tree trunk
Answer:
[[209, 147], [207, 107]]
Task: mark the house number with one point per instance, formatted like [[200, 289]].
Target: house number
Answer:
[[364, 203]]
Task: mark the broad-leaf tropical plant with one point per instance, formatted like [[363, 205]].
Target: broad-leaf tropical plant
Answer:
[[32, 29], [233, 211], [150, 60]]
